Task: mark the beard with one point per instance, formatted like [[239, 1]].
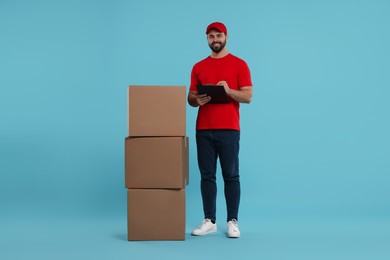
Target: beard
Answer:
[[217, 48]]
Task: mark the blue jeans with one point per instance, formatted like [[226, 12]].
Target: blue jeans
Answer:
[[225, 145]]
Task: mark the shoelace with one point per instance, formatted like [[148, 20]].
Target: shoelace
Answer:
[[234, 221], [235, 224], [205, 221]]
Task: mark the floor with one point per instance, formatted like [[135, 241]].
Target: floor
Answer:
[[87, 237]]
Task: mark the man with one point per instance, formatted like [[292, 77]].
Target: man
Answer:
[[218, 127]]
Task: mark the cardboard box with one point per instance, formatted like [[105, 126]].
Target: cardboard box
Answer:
[[156, 162], [157, 110], [156, 214]]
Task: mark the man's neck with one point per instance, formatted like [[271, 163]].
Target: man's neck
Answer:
[[220, 54]]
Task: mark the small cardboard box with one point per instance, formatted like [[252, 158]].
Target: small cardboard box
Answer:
[[156, 162], [156, 214], [157, 111]]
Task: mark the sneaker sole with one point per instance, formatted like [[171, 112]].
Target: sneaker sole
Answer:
[[208, 232], [233, 236]]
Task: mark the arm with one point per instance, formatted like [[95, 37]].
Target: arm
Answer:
[[197, 100], [244, 95]]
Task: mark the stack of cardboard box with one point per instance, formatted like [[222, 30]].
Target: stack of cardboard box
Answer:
[[156, 162]]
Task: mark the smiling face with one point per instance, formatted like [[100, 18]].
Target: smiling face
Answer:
[[216, 40]]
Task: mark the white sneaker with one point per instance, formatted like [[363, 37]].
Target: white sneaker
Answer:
[[232, 229], [205, 228]]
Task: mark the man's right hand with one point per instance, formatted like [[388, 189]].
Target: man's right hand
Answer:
[[197, 100], [202, 99]]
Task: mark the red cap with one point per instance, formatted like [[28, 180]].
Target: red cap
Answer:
[[217, 26]]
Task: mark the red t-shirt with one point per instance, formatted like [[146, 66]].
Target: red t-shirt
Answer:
[[236, 73]]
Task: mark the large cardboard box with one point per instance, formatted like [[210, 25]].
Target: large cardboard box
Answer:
[[156, 214], [156, 162], [157, 110]]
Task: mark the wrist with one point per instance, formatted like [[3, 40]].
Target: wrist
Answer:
[[228, 91]]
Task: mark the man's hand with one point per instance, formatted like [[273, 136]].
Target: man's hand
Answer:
[[202, 99], [225, 86], [197, 100]]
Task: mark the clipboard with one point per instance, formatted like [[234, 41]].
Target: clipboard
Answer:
[[217, 93]]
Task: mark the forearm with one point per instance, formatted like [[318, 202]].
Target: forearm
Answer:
[[192, 99], [243, 95]]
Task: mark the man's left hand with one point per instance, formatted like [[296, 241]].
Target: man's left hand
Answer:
[[225, 86]]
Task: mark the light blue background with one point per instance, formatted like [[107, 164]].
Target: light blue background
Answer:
[[315, 143]]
